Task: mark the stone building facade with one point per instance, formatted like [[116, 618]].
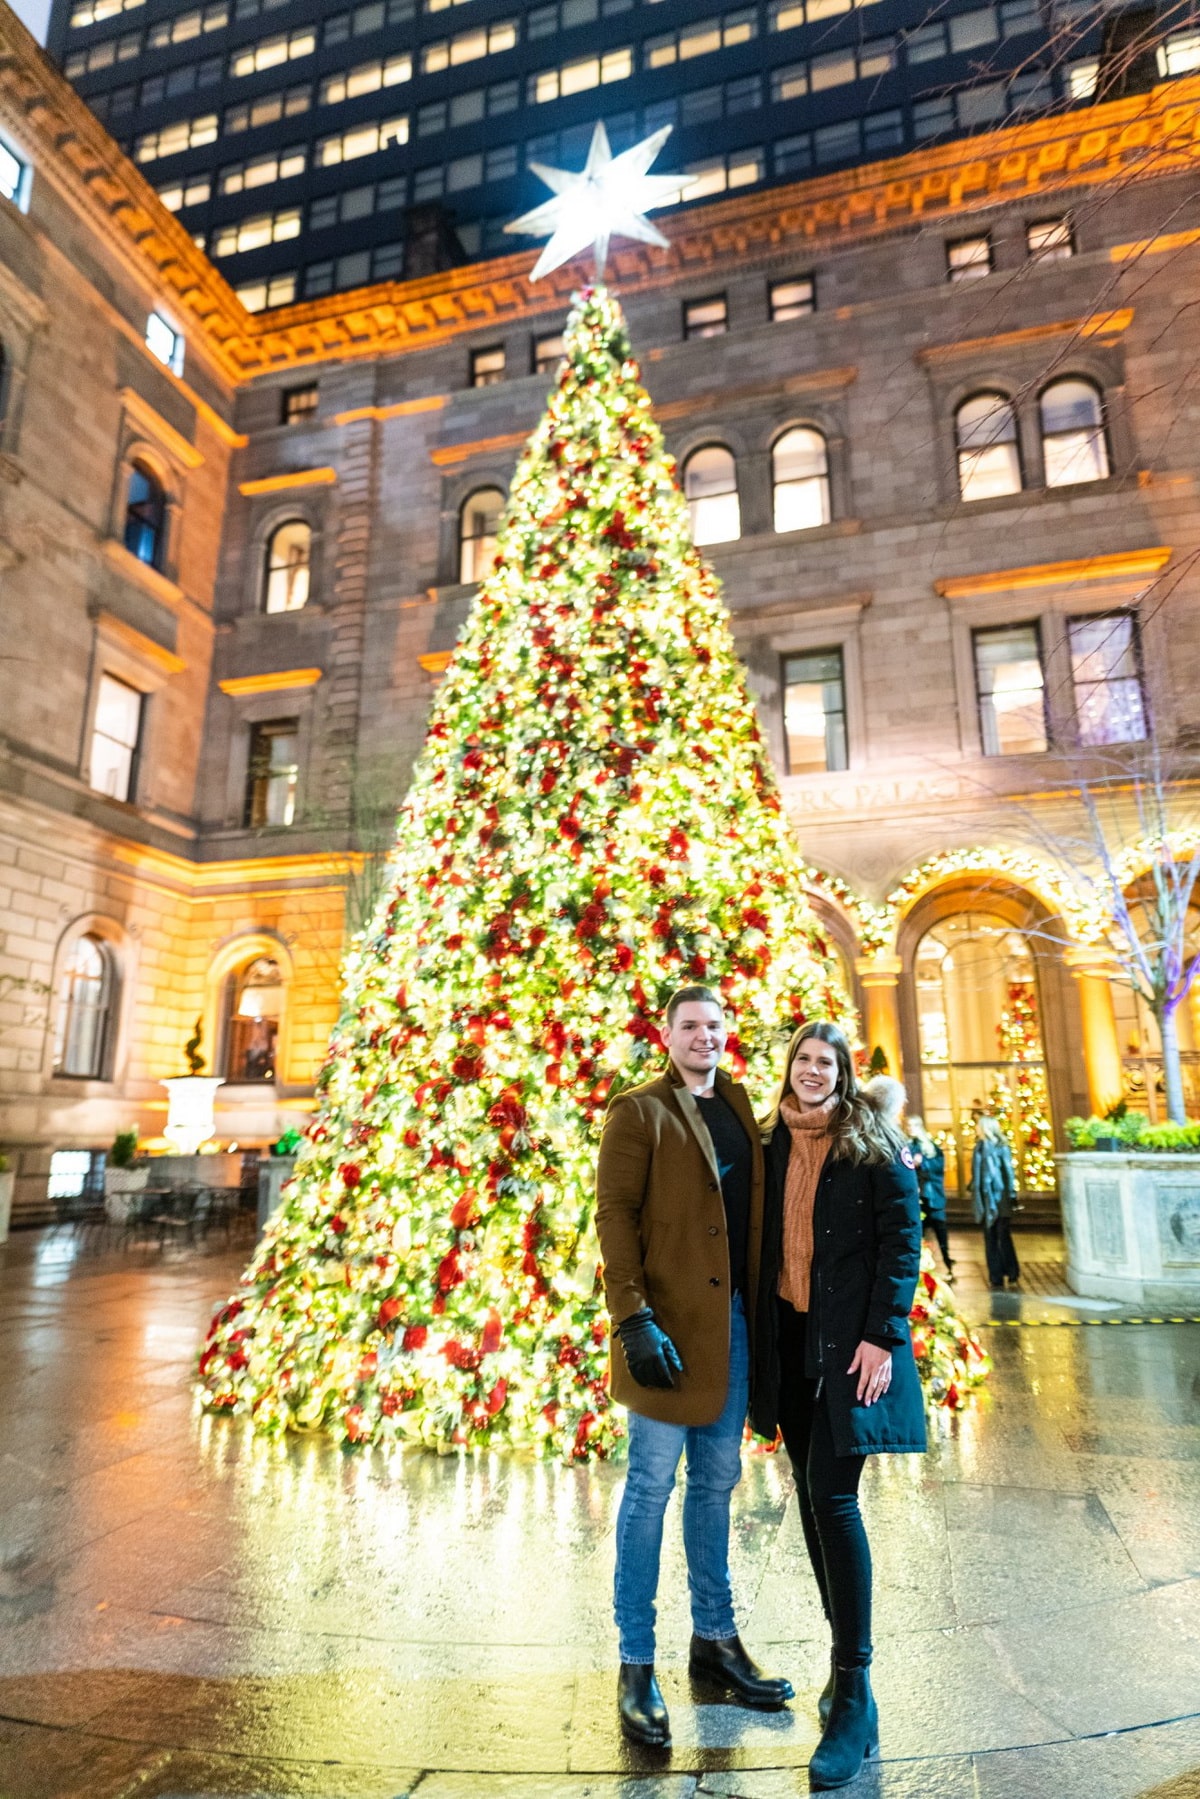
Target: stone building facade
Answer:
[[233, 550]]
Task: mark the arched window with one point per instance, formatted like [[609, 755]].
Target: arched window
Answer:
[[145, 510], [478, 523], [85, 1010], [710, 486], [1073, 442], [800, 473], [989, 461], [289, 560], [253, 1008]]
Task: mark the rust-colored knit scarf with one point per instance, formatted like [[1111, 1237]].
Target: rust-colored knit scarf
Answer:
[[809, 1132]]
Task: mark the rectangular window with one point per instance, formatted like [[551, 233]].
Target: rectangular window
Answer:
[[814, 712], [273, 773], [429, 184], [970, 30], [926, 44], [1109, 705], [548, 352], [487, 366], [744, 95], [367, 78], [793, 155], [464, 172], [792, 299], [969, 259], [1017, 16], [876, 58], [358, 202], [932, 117], [833, 69], [392, 193], [361, 140], [1049, 240], [94, 12], [116, 732], [1010, 688], [1081, 78], [784, 14], [701, 106], [14, 175], [501, 163], [789, 82], [353, 270], [267, 109], [163, 341], [185, 134], [252, 234], [720, 174], [468, 46], [467, 109], [299, 404], [706, 318], [835, 143], [883, 131], [387, 262], [1180, 55], [269, 290], [981, 105], [181, 194], [269, 52], [502, 97], [242, 177], [318, 280]]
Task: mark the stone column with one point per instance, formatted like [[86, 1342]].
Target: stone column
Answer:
[[880, 978], [1093, 970]]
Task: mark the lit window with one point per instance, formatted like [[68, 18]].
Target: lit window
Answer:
[[368, 78], [94, 12], [14, 175], [800, 474], [833, 69], [969, 259], [469, 46], [270, 52], [548, 352], [145, 515], [479, 522], [1010, 689], [163, 341], [267, 291], [85, 1010], [487, 366], [789, 82], [262, 171], [267, 109], [1073, 441], [254, 233], [989, 462], [1081, 78], [1109, 705], [289, 562], [273, 773], [299, 404], [792, 299], [577, 77], [181, 194], [785, 14], [116, 730], [706, 318], [1049, 240], [719, 174], [253, 1008], [184, 134], [361, 140], [710, 487], [1180, 54], [814, 712]]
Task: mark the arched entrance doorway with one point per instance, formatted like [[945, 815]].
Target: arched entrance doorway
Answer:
[[981, 1044]]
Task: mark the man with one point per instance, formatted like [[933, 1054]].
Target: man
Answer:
[[679, 1192]]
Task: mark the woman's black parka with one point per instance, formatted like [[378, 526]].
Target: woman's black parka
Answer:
[[866, 1258]]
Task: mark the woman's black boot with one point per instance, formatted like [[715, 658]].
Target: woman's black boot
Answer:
[[851, 1734], [640, 1705], [826, 1699]]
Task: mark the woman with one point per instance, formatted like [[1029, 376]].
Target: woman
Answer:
[[994, 1187], [930, 1159], [834, 1368]]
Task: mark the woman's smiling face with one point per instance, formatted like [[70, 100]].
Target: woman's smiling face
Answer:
[[814, 1070]]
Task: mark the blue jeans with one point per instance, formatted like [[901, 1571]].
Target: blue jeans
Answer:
[[714, 1466]]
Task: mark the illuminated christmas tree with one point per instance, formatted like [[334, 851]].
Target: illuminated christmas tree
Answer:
[[1023, 1112], [593, 821]]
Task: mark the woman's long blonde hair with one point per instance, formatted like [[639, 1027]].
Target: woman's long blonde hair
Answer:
[[859, 1130]]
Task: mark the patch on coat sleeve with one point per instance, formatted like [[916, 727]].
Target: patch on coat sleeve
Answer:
[[906, 1158]]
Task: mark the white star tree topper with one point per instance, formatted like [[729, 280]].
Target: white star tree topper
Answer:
[[608, 199]]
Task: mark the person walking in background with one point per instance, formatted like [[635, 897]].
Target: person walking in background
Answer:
[[994, 1194], [679, 1188], [930, 1159], [833, 1358]]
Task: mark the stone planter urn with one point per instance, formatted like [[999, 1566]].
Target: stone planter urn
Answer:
[[274, 1172], [1132, 1226], [7, 1182], [121, 1185], [190, 1119]]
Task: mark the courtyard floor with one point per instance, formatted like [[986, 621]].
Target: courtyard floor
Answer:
[[188, 1613]]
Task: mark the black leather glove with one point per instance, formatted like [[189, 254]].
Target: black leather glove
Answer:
[[653, 1358]]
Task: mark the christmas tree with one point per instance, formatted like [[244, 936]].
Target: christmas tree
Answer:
[[593, 821], [1023, 1111]]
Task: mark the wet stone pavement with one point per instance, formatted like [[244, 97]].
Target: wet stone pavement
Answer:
[[188, 1613]]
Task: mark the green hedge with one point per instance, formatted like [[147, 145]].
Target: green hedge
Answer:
[[1133, 1130]]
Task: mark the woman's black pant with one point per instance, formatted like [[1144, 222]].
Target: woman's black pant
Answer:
[[827, 1489], [935, 1222], [1001, 1253]]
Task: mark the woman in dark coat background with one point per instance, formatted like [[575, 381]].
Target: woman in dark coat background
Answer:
[[930, 1159], [833, 1362], [994, 1189]]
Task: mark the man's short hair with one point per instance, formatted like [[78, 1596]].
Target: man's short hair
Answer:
[[683, 996]]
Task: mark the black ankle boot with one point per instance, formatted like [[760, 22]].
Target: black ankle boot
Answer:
[[640, 1704], [723, 1665], [826, 1699], [851, 1734]]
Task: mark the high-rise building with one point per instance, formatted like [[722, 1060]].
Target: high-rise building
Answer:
[[312, 146]]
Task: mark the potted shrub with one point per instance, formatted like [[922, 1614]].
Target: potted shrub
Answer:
[[7, 1179], [123, 1175]]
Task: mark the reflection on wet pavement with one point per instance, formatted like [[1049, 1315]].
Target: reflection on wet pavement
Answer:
[[187, 1611]]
